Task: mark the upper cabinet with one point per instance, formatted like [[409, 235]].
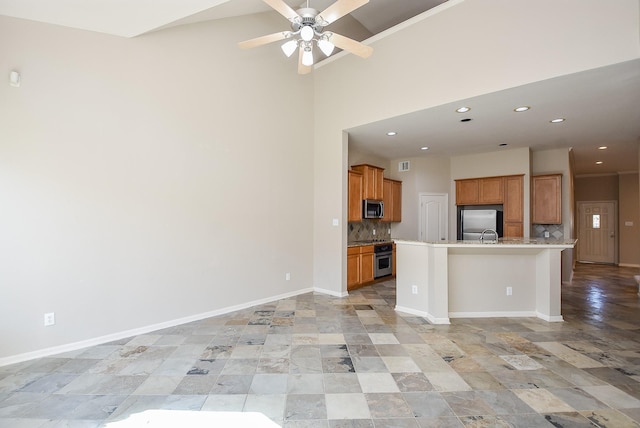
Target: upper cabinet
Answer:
[[480, 191], [467, 192], [368, 182], [355, 196], [546, 199], [372, 181], [507, 191], [392, 198], [491, 190]]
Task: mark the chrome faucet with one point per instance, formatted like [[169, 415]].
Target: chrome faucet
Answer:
[[490, 231]]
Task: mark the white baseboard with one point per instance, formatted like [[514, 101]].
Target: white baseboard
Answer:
[[330, 292], [495, 314], [69, 347], [428, 316], [550, 318]]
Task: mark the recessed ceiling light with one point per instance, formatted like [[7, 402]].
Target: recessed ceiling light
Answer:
[[602, 148], [522, 108], [392, 133], [558, 120], [424, 148], [463, 109], [599, 163], [466, 120]]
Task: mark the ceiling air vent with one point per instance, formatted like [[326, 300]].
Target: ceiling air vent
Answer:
[[403, 166]]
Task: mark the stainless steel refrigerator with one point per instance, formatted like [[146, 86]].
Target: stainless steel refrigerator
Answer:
[[471, 223]]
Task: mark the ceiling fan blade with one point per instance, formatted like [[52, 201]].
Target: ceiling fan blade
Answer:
[[340, 8], [263, 40], [302, 69], [351, 45], [282, 8]]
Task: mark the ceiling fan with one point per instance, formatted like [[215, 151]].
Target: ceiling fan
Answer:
[[307, 25]]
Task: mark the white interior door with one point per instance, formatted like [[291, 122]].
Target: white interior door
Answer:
[[596, 232], [434, 212]]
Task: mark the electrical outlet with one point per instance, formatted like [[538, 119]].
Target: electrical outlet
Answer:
[[509, 291], [374, 231], [546, 234], [414, 289], [49, 319], [287, 276]]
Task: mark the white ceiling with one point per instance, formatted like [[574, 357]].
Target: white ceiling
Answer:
[[601, 106]]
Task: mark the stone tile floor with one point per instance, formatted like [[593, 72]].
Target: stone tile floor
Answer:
[[319, 361]]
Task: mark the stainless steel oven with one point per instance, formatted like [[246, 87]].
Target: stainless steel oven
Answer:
[[383, 260]]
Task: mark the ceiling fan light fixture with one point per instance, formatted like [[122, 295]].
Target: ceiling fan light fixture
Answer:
[[307, 56], [326, 46], [289, 47], [307, 25], [306, 33]]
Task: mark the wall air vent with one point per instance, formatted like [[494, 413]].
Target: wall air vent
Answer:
[[403, 166]]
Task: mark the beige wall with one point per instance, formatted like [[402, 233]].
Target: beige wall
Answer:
[[426, 175], [147, 180], [629, 224], [624, 189], [596, 188], [356, 157]]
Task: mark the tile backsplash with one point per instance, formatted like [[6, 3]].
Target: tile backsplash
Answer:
[[364, 231], [556, 231]]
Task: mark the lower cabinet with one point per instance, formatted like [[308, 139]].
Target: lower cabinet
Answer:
[[360, 266], [353, 267]]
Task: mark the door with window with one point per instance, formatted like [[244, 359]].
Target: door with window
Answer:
[[597, 232]]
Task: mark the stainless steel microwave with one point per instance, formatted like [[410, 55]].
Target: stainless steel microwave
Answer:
[[372, 209]]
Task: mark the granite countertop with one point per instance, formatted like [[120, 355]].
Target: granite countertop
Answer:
[[502, 242], [369, 242]]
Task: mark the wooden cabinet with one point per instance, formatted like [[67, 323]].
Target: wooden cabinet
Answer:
[[513, 206], [506, 190], [467, 192], [396, 214], [491, 190], [372, 181], [367, 264], [392, 198], [360, 266], [546, 199], [355, 196], [353, 267], [480, 191]]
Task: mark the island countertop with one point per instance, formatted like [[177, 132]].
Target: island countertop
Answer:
[[502, 243], [513, 277]]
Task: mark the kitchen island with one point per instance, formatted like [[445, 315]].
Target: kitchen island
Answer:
[[518, 277]]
